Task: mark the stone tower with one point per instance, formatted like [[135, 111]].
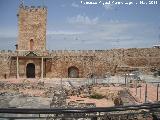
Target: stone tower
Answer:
[[32, 28]]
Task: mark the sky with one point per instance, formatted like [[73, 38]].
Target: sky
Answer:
[[76, 25]]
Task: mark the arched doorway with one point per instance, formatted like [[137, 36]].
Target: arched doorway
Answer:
[[30, 70], [73, 72]]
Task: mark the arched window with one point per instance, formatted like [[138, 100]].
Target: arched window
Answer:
[[73, 72], [31, 44], [30, 70]]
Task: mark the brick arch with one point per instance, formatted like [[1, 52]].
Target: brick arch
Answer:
[[73, 72]]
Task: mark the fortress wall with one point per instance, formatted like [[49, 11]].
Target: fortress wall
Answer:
[[99, 62], [143, 57], [5, 63]]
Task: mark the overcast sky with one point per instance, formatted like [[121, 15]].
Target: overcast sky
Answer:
[[72, 24]]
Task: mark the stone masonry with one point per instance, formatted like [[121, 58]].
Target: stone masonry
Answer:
[[99, 62], [32, 28]]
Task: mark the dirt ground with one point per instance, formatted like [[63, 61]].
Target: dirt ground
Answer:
[[98, 102]]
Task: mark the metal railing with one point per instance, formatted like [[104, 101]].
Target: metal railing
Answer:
[[40, 113]]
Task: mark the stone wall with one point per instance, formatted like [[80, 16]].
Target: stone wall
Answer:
[[5, 63], [97, 62], [100, 62]]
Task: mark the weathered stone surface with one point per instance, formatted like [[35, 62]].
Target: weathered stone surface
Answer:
[[98, 63], [32, 28]]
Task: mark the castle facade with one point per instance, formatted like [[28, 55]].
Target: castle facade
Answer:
[[32, 59]]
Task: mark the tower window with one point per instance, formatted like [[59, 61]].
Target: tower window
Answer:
[[31, 44]]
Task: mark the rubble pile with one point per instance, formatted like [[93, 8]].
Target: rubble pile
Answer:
[[63, 94], [26, 88]]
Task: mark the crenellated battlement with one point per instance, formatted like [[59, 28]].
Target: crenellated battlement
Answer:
[[131, 52], [33, 8]]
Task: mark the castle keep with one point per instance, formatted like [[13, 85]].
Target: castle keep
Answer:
[[32, 60], [32, 28]]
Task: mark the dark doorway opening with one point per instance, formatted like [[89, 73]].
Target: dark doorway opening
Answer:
[[73, 72], [158, 72], [30, 70]]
